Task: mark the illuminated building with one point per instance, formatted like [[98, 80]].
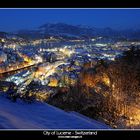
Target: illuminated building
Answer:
[[3, 57]]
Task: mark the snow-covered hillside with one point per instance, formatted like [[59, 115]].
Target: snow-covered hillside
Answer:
[[21, 115]]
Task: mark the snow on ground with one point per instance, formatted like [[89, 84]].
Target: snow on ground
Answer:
[[21, 115]]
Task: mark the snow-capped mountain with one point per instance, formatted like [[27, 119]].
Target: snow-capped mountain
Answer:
[[57, 30], [62, 28], [76, 31], [67, 31]]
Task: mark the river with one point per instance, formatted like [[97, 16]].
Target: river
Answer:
[[5, 75]]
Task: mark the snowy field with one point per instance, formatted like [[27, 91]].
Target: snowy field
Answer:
[[21, 115]]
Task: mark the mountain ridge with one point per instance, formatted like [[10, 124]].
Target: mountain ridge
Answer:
[[75, 32]]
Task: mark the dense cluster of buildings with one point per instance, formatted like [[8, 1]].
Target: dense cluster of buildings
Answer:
[[55, 66]]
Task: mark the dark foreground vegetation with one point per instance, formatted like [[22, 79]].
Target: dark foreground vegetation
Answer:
[[109, 92]]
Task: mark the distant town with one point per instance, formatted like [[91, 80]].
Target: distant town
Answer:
[[75, 70], [51, 61]]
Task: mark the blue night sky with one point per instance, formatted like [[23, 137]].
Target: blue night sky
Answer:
[[15, 19]]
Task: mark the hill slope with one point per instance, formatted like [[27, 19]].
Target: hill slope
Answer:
[[37, 115]]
